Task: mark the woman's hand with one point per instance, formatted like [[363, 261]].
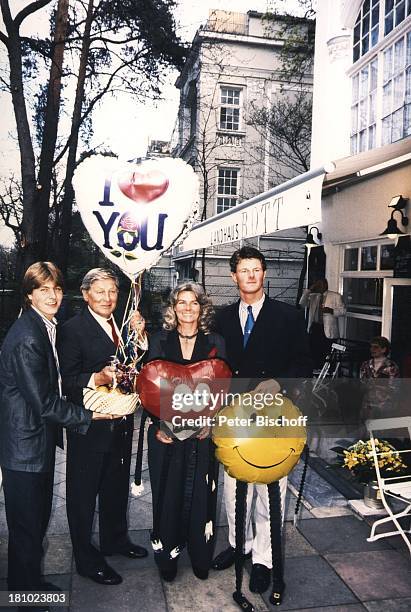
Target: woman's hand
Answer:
[[203, 433], [137, 322], [163, 437]]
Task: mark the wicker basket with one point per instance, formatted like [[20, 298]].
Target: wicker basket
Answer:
[[110, 401]]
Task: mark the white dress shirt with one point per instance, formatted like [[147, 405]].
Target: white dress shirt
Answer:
[[51, 327], [103, 322], [243, 310]]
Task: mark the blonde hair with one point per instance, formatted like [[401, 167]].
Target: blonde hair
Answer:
[[206, 307]]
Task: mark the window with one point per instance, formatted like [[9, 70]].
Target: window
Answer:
[[381, 89], [230, 104], [364, 269], [363, 110], [227, 191], [396, 95], [366, 29]]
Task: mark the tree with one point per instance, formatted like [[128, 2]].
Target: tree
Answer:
[[97, 49], [286, 125]]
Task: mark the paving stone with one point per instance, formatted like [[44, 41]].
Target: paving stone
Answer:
[[121, 564], [329, 512], [58, 554], [345, 608], [312, 583], [374, 575], [187, 593], [60, 489], [340, 534], [290, 503], [58, 522], [140, 514], [140, 590], [295, 545], [389, 605], [317, 491]]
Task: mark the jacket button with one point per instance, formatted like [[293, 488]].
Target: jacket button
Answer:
[[237, 372], [263, 372]]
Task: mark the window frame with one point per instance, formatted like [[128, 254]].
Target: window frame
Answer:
[[378, 273], [232, 107], [372, 123], [221, 195]]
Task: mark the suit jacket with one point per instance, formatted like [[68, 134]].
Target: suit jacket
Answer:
[[84, 348], [277, 347], [31, 410], [330, 321]]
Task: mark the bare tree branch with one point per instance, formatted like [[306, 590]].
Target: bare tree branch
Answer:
[[29, 10]]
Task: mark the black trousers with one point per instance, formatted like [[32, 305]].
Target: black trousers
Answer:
[[28, 497], [182, 500], [106, 474], [320, 345]]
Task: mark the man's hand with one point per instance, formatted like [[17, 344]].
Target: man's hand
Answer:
[[268, 386], [96, 416], [203, 433], [163, 437], [105, 376]]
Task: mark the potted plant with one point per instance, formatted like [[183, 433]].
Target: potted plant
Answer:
[[358, 459]]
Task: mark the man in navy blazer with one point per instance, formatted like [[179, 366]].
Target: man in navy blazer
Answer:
[[32, 412], [265, 340], [98, 464]]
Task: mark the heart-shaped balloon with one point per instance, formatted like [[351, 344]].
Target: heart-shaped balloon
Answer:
[[143, 186], [167, 389], [135, 212]]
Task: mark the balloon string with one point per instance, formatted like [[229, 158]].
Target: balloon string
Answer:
[[134, 340]]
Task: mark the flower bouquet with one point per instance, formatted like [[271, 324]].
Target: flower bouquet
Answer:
[[358, 459]]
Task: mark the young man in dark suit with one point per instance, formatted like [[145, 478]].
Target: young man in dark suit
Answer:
[[32, 413], [99, 462], [265, 341]]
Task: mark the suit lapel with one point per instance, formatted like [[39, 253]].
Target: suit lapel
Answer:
[[266, 320], [233, 333], [96, 331]]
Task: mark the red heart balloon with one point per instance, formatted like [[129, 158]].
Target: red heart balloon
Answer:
[[158, 380], [143, 187]]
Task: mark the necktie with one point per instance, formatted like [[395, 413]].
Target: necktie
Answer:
[[249, 324], [113, 332]]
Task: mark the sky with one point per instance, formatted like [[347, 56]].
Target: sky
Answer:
[[122, 125]]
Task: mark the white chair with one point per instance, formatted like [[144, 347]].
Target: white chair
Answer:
[[397, 488]]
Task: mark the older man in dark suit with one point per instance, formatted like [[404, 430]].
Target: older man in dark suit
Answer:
[[32, 412], [99, 462], [265, 340]]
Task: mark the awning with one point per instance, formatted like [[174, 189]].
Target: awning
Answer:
[[292, 204], [355, 167]]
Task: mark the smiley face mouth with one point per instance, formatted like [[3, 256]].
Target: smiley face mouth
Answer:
[[265, 467]]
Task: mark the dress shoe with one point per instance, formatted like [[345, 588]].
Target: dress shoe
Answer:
[[168, 574], [226, 559], [202, 574], [104, 576], [133, 551], [259, 578]]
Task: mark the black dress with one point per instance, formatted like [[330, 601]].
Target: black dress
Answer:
[[184, 474]]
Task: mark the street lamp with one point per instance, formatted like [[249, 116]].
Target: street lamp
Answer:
[[392, 231]]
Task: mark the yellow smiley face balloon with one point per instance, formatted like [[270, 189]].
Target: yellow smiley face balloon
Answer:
[[259, 444]]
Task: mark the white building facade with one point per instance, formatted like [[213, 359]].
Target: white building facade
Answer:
[[362, 119], [234, 66]]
